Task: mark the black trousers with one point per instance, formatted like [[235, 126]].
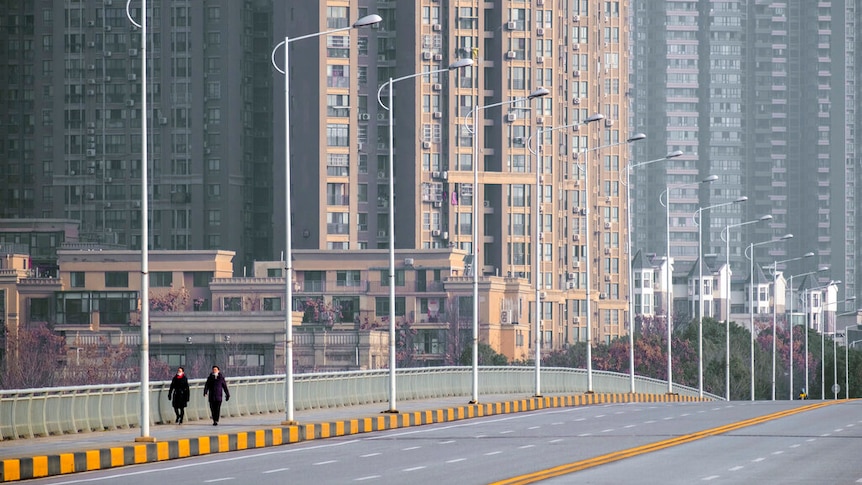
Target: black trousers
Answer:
[[215, 409]]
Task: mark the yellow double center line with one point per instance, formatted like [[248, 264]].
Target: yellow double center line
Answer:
[[650, 447]]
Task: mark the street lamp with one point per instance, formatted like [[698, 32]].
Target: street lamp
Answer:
[[288, 264], [808, 311], [846, 362], [390, 107], [775, 310], [586, 213], [474, 114], [145, 234], [698, 215], [669, 271], [629, 168], [726, 236], [750, 257], [835, 350], [537, 239], [822, 268]]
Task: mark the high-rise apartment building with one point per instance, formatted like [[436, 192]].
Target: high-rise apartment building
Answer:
[[764, 95], [340, 150], [70, 141], [70, 144]]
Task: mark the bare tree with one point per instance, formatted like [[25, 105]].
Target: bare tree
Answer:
[[35, 355]]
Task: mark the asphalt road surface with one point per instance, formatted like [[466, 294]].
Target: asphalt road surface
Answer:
[[713, 442]]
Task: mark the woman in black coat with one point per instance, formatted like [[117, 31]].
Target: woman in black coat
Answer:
[[178, 394], [216, 389]]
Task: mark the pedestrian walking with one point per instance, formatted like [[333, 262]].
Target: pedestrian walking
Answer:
[[216, 389], [178, 394]]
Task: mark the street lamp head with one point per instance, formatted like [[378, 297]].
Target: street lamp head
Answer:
[[808, 255], [786, 237], [595, 117], [674, 154], [461, 63], [711, 178], [767, 217], [741, 199], [636, 137], [822, 268], [538, 93], [367, 20]]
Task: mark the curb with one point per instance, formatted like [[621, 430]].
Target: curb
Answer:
[[101, 459]]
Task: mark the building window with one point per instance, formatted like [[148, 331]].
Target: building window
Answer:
[[399, 277], [232, 304], [347, 278], [116, 279], [272, 304], [337, 135], [381, 306], [161, 279], [77, 279], [201, 279], [274, 272]]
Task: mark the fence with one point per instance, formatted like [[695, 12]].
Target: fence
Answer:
[[31, 413]]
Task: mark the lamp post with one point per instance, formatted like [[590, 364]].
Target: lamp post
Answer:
[[847, 364], [629, 168], [669, 271], [588, 294], [750, 256], [145, 234], [698, 214], [726, 236], [809, 308], [537, 239], [790, 320], [288, 264], [835, 349], [775, 310], [474, 114], [390, 107]]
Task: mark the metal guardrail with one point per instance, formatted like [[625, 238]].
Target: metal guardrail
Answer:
[[30, 413]]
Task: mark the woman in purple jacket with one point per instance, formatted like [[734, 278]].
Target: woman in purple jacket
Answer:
[[216, 388]]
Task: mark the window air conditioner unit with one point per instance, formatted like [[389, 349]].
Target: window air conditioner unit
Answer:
[[607, 225], [543, 295], [91, 124], [576, 47], [435, 233], [91, 131], [381, 233], [444, 175], [437, 203], [438, 115], [91, 23], [137, 203], [130, 103], [518, 140], [576, 100], [437, 27], [540, 121], [437, 87], [91, 196], [609, 123], [91, 92], [487, 203], [445, 235], [438, 57], [571, 276], [426, 56], [107, 79], [364, 116], [576, 237], [133, 52], [570, 285], [510, 55], [511, 117], [602, 296], [133, 77], [163, 121], [540, 3], [540, 32], [91, 153], [607, 277], [511, 25], [107, 205], [576, 264], [92, 81], [91, 67], [576, 73], [91, 44], [426, 144], [435, 175], [540, 60], [576, 18], [607, 251], [408, 261], [108, 54], [109, 180], [107, 28]]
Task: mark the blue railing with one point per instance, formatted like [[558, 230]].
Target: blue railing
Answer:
[[29, 413]]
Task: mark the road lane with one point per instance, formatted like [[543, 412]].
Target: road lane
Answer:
[[477, 451]]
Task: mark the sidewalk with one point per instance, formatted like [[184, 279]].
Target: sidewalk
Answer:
[[57, 455]]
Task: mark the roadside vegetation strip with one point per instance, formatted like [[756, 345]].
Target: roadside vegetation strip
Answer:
[[650, 447]]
